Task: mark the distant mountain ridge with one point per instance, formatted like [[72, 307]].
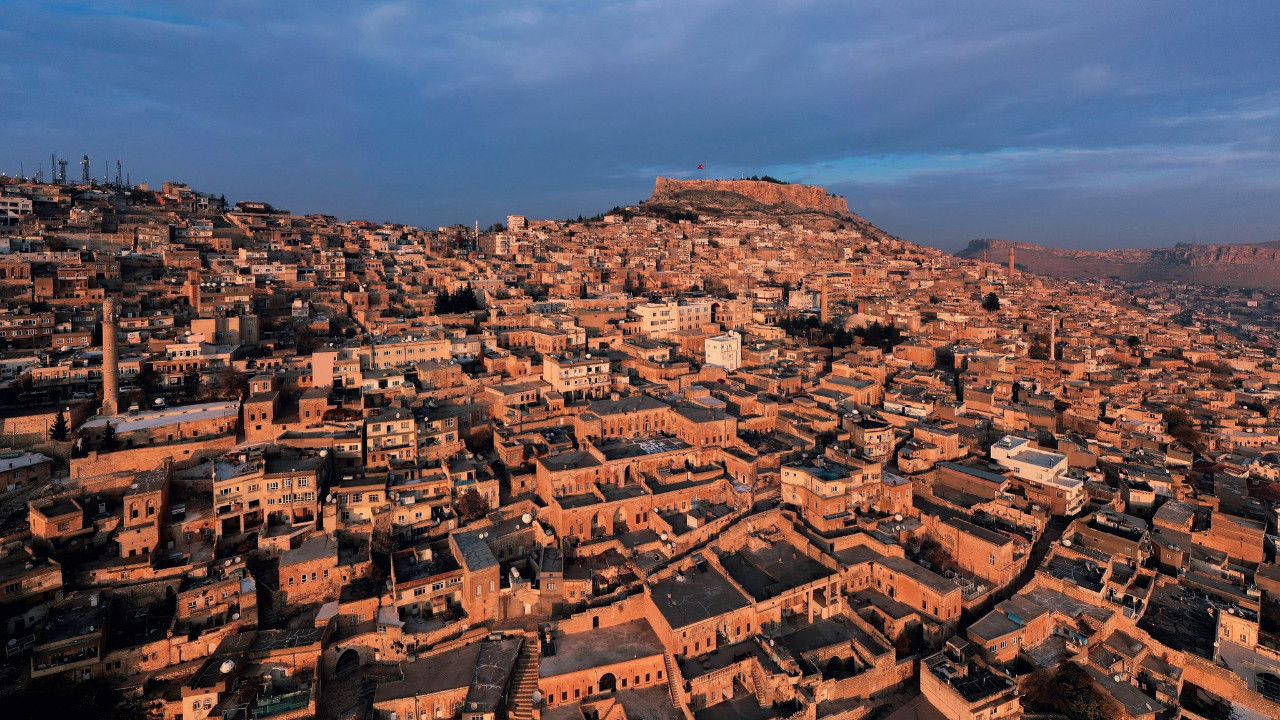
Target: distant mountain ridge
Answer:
[[1245, 266]]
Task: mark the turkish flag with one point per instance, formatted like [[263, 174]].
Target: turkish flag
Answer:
[[699, 166]]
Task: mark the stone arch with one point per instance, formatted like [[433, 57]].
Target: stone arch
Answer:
[[608, 683], [1268, 685], [348, 662]]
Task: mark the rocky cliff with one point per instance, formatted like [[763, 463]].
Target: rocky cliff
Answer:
[[1256, 266], [748, 194]]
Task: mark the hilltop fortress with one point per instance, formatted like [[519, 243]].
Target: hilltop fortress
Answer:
[[755, 192]]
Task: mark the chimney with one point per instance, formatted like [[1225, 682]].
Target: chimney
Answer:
[[110, 358]]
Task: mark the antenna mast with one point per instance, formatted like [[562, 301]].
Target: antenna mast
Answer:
[[119, 180], [84, 169]]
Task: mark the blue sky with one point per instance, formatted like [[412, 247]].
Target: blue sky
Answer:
[[1073, 124]]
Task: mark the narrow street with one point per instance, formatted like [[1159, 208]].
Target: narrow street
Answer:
[[1052, 533]]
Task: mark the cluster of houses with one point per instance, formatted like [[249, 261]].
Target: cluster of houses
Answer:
[[648, 465]]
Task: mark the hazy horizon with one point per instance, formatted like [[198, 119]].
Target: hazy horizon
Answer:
[[1089, 126]]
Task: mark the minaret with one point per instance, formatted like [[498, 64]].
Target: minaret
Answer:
[[1053, 337], [1011, 268], [110, 358], [825, 316]]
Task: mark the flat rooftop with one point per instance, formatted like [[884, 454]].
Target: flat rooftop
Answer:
[[771, 571], [600, 647], [700, 596], [640, 448], [569, 460], [169, 416], [450, 670]]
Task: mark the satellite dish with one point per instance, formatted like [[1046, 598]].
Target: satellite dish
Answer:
[[526, 518], [1066, 542], [898, 517], [227, 666]]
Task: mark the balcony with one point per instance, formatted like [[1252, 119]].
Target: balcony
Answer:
[[268, 705]]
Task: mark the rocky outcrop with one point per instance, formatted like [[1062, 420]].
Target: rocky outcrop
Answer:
[[700, 193], [1249, 266]]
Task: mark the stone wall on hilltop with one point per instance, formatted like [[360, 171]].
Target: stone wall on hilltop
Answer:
[[761, 191]]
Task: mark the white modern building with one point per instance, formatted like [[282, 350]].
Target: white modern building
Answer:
[[1043, 473], [725, 351]]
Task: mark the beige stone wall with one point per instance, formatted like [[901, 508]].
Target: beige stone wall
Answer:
[[132, 459]]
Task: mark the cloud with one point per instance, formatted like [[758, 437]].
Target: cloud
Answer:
[[445, 111]]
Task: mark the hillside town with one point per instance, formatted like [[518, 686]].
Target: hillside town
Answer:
[[732, 453]]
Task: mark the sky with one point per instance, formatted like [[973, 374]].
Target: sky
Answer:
[[1082, 124]]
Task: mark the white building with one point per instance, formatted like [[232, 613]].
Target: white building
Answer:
[[1042, 473], [1027, 461], [725, 351]]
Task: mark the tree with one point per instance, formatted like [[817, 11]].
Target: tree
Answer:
[[991, 302], [1181, 427], [472, 505], [1069, 690], [462, 301], [109, 440], [883, 336], [946, 357], [60, 428], [232, 383]]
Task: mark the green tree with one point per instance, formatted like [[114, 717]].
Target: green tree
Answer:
[[60, 428], [991, 302]]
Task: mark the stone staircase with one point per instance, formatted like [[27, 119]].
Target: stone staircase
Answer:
[[674, 680], [761, 688], [525, 680]]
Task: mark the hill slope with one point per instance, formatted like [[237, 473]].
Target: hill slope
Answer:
[[782, 203], [1248, 266]]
